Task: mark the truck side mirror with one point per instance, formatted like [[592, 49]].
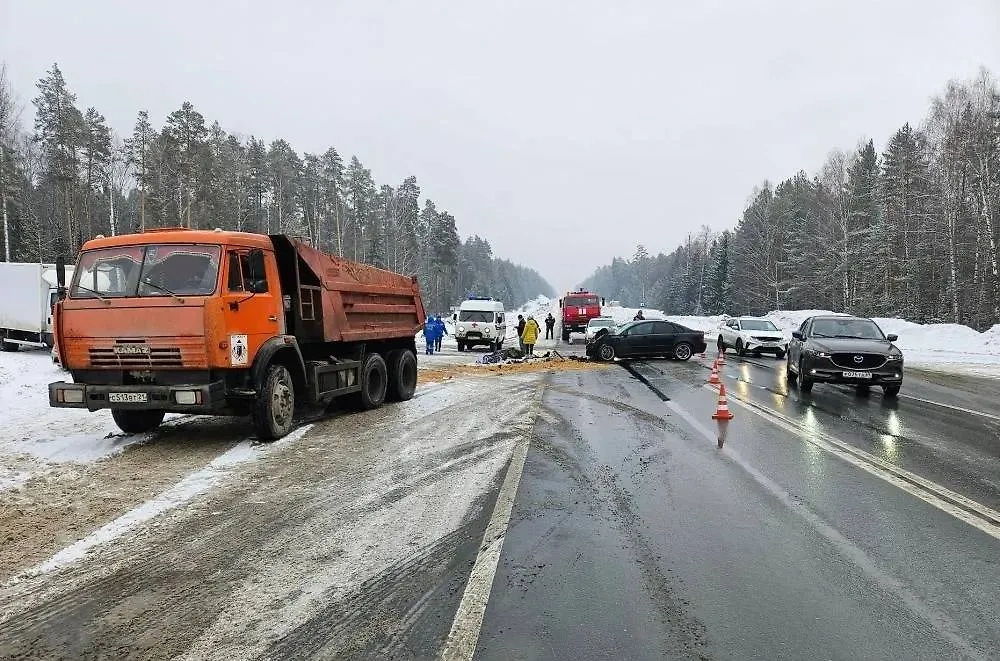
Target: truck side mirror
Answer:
[[60, 279]]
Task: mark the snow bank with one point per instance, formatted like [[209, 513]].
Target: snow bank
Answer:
[[948, 347]]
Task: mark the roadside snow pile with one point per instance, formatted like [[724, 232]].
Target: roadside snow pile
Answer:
[[952, 347]]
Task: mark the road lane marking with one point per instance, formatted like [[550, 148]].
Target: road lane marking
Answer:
[[464, 634], [961, 507], [953, 407], [939, 621], [193, 484], [950, 406]]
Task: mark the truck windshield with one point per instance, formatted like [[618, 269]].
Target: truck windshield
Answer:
[[481, 316], [581, 301], [151, 270]]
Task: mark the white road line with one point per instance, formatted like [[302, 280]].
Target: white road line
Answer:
[[192, 485], [951, 406], [962, 508], [464, 634], [938, 621]]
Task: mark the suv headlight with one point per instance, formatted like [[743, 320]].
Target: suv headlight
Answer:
[[818, 354], [894, 355]]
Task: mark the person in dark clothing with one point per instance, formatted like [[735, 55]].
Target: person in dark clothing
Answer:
[[520, 330], [550, 325], [638, 316]]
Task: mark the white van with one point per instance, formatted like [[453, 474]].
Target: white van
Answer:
[[480, 321]]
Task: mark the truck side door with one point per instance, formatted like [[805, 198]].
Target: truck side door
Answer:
[[253, 311]]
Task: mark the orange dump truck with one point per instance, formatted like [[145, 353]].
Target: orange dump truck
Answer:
[[228, 323]]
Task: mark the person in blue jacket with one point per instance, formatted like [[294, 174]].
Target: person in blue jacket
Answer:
[[442, 330], [430, 334]]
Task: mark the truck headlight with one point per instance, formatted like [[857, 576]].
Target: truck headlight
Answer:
[[461, 328], [72, 395], [187, 397], [486, 330]]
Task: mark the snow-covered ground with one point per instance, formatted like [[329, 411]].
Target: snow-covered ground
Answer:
[[940, 347], [35, 436]]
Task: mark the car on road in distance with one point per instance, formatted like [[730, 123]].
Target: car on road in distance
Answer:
[[647, 338], [752, 335], [844, 349], [595, 325]]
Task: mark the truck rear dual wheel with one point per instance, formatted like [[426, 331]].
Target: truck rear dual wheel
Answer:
[[374, 380], [136, 421], [402, 371], [274, 407]]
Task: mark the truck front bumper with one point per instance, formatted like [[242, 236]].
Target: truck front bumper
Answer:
[[195, 398]]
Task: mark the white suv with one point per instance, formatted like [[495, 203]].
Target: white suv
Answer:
[[752, 335], [594, 325]]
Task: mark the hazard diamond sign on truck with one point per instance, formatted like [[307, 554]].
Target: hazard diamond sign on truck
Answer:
[[229, 323], [578, 307]]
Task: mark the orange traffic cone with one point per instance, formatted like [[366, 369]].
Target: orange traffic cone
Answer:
[[714, 377], [722, 357], [722, 412]]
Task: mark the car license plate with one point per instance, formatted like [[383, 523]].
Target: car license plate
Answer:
[[857, 375], [128, 397]]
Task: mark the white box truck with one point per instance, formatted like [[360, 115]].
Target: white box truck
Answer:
[[27, 295]]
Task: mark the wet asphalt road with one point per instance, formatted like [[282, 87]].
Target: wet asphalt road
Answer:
[[830, 526], [633, 536]]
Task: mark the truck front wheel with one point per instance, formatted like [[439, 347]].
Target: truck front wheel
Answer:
[[133, 421], [274, 406], [402, 375], [374, 382]]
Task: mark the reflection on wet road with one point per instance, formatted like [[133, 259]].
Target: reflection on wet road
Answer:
[[835, 525]]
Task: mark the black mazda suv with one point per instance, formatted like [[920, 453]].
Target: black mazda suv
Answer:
[[843, 349]]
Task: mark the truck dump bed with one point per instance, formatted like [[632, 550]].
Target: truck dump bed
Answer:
[[337, 300]]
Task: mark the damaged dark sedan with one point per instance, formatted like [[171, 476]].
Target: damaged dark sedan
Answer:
[[846, 350], [647, 338]]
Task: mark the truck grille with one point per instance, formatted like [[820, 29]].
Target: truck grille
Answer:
[[157, 357], [848, 361]]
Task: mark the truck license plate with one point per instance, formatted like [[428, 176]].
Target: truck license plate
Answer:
[[857, 375], [128, 397]]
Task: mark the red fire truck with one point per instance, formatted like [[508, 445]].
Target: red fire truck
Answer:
[[578, 307]]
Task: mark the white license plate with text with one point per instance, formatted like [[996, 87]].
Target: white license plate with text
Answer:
[[128, 397], [857, 375]]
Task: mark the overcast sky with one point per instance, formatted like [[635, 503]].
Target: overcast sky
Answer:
[[563, 132]]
